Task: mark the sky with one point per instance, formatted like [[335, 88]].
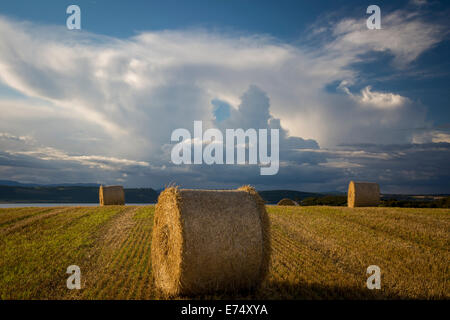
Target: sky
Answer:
[[98, 105]]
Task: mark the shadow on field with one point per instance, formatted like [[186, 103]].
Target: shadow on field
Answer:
[[304, 291], [273, 290]]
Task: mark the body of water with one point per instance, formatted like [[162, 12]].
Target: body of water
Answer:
[[25, 205]]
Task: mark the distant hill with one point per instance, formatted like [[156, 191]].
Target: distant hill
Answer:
[[16, 184], [12, 191], [69, 194], [20, 184]]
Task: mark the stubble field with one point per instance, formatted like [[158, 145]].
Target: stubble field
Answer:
[[317, 253]]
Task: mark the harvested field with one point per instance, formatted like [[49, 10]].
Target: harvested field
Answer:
[[317, 253]]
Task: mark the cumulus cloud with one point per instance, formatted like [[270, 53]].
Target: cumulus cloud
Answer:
[[404, 34], [380, 100], [150, 80], [112, 103], [254, 112]]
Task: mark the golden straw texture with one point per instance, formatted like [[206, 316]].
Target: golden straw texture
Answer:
[[363, 194], [112, 195], [286, 202], [209, 240]]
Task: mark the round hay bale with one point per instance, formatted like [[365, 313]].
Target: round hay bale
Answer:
[[111, 195], [209, 240], [363, 194], [286, 202]]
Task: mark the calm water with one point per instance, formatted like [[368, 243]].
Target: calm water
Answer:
[[23, 205]]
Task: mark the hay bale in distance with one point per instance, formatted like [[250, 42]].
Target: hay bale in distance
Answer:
[[209, 240], [286, 202], [111, 195], [363, 194]]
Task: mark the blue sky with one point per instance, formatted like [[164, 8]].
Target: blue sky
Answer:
[[282, 19], [98, 105]]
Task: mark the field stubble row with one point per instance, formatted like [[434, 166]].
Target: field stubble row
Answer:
[[317, 253]]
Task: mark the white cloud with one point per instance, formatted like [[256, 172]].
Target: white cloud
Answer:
[[404, 35], [92, 161], [360, 154], [141, 86], [379, 100], [432, 136], [120, 99], [9, 136], [341, 164]]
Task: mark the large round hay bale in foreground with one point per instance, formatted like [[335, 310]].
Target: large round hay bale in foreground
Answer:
[[286, 202], [209, 240], [363, 194], [111, 195]]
